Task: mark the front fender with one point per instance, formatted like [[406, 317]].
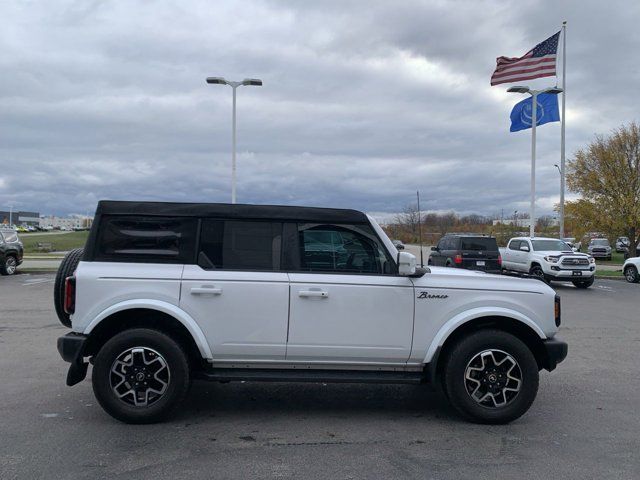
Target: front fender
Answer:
[[164, 307], [451, 325]]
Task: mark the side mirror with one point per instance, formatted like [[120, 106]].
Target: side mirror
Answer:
[[524, 248], [434, 249], [406, 264]]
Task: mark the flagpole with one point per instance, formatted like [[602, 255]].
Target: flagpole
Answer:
[[534, 121], [562, 126]]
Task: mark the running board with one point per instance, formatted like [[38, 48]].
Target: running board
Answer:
[[309, 375]]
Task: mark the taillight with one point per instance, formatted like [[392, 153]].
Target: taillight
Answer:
[[499, 260], [458, 259], [557, 310], [70, 295]]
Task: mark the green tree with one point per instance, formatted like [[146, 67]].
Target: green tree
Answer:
[[607, 175]]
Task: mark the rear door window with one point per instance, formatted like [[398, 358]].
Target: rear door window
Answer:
[[240, 245], [147, 239], [514, 245]]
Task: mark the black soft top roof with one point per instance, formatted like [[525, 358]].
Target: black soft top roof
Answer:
[[227, 210]]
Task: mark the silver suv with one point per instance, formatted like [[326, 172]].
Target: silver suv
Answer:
[[599, 248]]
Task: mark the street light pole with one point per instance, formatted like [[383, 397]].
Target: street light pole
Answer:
[[534, 120], [561, 200], [234, 85]]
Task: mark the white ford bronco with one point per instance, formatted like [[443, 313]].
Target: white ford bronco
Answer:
[[549, 259], [164, 293]]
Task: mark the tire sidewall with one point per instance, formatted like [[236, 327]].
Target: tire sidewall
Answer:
[[4, 269], [634, 272], [462, 354], [178, 368]]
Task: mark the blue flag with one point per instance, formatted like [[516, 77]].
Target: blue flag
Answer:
[[547, 112]]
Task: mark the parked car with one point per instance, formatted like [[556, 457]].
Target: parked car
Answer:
[[631, 269], [549, 259], [167, 292], [398, 244], [470, 251], [622, 244], [599, 248], [11, 251]]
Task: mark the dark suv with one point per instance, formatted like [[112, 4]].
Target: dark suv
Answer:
[[470, 251], [11, 251]]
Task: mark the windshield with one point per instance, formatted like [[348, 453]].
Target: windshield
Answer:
[[600, 241], [550, 246]]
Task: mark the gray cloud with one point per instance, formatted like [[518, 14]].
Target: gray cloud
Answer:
[[362, 103]]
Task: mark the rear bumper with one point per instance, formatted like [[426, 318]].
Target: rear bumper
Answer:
[[555, 351], [71, 348]]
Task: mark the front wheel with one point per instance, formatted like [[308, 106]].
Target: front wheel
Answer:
[[140, 376], [537, 272], [9, 266], [584, 283], [490, 377], [631, 274]]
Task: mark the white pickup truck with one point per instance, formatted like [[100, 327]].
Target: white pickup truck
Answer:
[[164, 293], [549, 259]]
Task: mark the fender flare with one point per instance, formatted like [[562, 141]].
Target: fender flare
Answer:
[[464, 317], [174, 311]]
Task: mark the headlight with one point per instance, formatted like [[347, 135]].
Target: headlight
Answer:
[[592, 260], [552, 259]]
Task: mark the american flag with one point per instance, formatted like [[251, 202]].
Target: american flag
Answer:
[[538, 62]]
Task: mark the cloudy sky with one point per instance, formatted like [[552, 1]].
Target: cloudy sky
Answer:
[[363, 102]]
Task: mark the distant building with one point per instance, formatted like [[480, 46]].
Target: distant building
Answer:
[[19, 218], [66, 222]]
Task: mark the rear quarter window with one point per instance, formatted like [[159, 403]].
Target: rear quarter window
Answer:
[[147, 239]]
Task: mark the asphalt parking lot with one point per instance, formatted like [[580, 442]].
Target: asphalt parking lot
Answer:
[[584, 424]]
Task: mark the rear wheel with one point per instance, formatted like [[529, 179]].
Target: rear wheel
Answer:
[[9, 266], [490, 376], [631, 274], [141, 376], [584, 283]]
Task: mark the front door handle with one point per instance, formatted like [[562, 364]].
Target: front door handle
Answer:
[[206, 291], [313, 293]]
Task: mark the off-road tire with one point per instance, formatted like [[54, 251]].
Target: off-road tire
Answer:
[[455, 384], [584, 283], [179, 379], [66, 269]]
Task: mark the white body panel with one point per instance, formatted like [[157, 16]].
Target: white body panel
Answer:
[[246, 315], [351, 318], [471, 295]]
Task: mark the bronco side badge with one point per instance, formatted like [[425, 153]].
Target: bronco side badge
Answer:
[[425, 294]]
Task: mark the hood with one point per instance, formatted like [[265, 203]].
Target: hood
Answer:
[[555, 253], [459, 278]]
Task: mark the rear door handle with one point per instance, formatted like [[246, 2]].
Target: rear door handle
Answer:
[[206, 291], [313, 293]]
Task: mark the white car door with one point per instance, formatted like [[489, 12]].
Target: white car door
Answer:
[[510, 260], [346, 304], [236, 293]]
